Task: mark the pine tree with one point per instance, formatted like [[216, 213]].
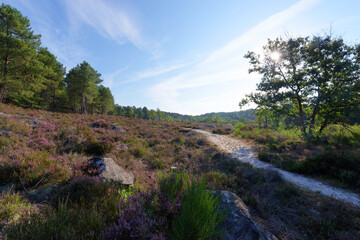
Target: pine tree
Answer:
[[82, 86], [19, 65]]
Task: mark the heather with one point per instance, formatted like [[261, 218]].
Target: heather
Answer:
[[176, 171]]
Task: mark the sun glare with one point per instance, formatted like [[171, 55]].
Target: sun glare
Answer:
[[275, 56]]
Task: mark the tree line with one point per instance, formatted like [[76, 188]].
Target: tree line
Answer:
[[31, 76], [158, 115]]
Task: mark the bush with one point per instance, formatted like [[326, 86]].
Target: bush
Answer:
[[216, 180], [133, 221], [12, 206], [84, 191], [96, 147], [341, 165], [200, 215], [30, 167], [63, 223]]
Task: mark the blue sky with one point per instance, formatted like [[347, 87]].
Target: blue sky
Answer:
[[180, 56]]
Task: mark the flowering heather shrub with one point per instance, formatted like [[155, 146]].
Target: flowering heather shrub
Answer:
[[84, 191], [15, 125], [134, 221], [29, 167], [173, 184]]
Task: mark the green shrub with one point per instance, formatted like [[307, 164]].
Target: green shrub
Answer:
[[200, 216], [96, 147], [84, 191], [157, 163], [216, 179], [63, 223], [172, 183], [12, 207], [340, 165]]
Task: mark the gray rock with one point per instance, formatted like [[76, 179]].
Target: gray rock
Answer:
[[121, 146], [42, 195], [238, 223], [7, 187], [107, 169], [117, 129]]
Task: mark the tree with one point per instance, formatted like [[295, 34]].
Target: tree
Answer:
[[19, 64], [82, 86], [54, 91], [315, 81], [104, 100]]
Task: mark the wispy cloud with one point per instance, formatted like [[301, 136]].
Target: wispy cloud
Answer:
[[107, 19], [225, 64], [154, 72]]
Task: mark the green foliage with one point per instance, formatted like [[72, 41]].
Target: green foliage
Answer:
[[144, 113], [82, 86], [173, 183], [200, 215], [12, 206], [216, 179], [104, 102], [314, 83], [341, 165], [63, 223], [18, 54]]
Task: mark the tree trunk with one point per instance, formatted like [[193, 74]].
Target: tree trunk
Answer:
[[83, 105]]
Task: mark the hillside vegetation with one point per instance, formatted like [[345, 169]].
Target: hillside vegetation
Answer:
[[44, 154]]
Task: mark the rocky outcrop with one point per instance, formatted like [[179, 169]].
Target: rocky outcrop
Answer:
[[238, 223], [107, 169]]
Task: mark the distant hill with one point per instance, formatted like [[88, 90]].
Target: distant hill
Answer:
[[220, 117]]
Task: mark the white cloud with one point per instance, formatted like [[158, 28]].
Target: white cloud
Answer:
[[108, 20], [224, 65], [154, 72]]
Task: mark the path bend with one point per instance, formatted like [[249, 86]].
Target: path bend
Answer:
[[244, 153]]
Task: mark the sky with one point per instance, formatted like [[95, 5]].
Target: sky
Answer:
[[184, 56]]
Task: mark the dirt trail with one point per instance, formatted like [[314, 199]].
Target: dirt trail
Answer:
[[245, 153]]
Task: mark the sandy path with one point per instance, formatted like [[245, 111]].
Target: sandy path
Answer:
[[245, 153]]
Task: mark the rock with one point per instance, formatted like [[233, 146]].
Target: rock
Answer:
[[107, 169], [117, 129], [42, 195], [121, 146], [32, 122], [238, 223], [7, 187]]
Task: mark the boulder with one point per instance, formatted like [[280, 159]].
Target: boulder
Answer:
[[107, 169], [7, 187], [238, 223], [117, 129], [42, 195]]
